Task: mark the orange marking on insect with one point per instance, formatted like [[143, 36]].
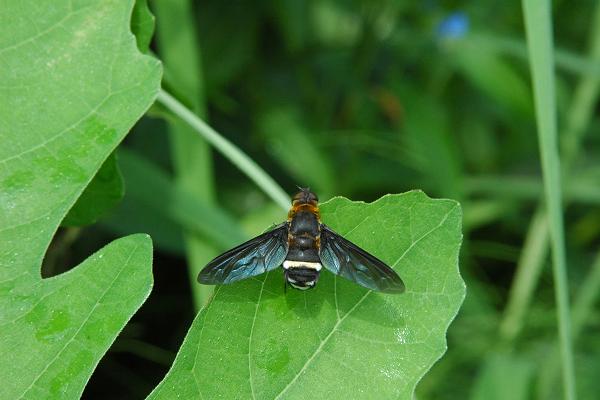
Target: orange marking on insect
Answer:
[[297, 207]]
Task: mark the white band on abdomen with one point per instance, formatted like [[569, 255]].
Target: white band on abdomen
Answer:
[[287, 264]]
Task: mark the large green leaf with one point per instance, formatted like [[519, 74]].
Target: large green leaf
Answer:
[[339, 340], [73, 85]]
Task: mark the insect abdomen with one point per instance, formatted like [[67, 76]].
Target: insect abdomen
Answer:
[[301, 275]]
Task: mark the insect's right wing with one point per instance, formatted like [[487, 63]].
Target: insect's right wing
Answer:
[[346, 259], [256, 256]]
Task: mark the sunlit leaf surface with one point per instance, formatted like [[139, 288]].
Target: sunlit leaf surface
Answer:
[[338, 341], [73, 85]]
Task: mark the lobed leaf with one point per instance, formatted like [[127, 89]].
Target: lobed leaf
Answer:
[[339, 340], [73, 85]]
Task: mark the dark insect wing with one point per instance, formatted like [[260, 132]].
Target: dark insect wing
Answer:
[[256, 256], [347, 260]]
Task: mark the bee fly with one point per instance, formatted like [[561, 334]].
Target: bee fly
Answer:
[[303, 245]]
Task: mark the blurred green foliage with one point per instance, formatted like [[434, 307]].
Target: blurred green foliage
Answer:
[[363, 98]]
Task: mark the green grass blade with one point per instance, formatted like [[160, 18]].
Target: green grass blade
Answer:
[[580, 188], [228, 149], [538, 27], [583, 308], [567, 61], [531, 262], [582, 107]]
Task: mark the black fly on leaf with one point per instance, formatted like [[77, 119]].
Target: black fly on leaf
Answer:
[[303, 245]]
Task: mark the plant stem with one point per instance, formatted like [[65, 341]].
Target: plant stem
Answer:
[[228, 149], [191, 156], [539, 39]]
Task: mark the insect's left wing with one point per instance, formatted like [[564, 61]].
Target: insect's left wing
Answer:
[[346, 259], [256, 256]]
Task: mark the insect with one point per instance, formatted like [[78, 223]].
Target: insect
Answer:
[[303, 245]]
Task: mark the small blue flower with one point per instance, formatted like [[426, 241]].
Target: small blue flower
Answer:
[[454, 26]]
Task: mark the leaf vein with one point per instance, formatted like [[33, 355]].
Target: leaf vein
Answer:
[[59, 134], [250, 337], [429, 232], [321, 345], [340, 321]]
